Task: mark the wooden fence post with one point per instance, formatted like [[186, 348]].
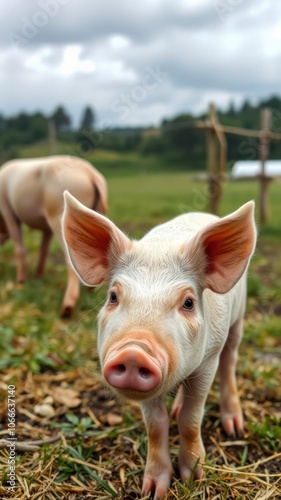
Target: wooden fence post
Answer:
[[52, 136], [216, 163], [266, 114], [216, 158], [212, 160]]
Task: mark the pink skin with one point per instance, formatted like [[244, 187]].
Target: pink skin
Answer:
[[158, 470], [231, 412], [132, 368]]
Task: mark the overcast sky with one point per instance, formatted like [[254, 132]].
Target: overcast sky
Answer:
[[137, 62]]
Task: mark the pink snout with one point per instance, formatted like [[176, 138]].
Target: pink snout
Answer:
[[131, 368]]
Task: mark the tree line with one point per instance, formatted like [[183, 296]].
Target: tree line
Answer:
[[175, 139], [25, 128]]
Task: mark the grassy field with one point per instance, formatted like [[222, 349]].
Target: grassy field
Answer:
[[89, 446]]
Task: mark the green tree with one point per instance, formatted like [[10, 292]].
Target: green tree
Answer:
[[88, 119], [2, 122], [61, 119]]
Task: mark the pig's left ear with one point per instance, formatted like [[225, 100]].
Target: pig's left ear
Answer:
[[222, 249], [92, 241]]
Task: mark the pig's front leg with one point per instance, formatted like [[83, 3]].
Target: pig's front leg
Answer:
[[15, 232], [231, 412], [189, 411], [158, 470]]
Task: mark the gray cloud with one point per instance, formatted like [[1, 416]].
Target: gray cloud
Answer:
[[74, 21], [79, 52]]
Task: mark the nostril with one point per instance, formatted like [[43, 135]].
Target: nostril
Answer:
[[120, 369], [144, 372], [131, 368]]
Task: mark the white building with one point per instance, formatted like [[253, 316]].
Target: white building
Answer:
[[252, 168]]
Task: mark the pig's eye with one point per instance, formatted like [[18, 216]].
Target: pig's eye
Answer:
[[113, 298], [188, 304]]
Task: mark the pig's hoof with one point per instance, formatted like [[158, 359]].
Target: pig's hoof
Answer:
[[191, 456], [157, 485], [233, 425], [190, 474], [66, 312], [232, 418]]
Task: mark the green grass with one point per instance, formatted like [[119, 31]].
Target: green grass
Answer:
[[148, 198], [144, 190], [269, 432]]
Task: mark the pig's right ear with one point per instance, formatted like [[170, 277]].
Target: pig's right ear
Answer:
[[91, 241], [222, 249]]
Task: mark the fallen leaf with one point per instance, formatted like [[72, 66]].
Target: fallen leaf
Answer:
[[111, 419], [67, 397]]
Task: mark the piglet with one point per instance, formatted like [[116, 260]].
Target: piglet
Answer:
[[173, 315]]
